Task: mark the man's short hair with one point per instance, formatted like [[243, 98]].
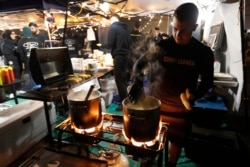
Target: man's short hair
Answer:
[[187, 12], [32, 24]]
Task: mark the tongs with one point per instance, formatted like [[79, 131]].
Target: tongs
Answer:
[[89, 92]]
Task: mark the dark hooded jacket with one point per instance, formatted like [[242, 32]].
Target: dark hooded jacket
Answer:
[[8, 49], [119, 39], [1, 41], [26, 44]]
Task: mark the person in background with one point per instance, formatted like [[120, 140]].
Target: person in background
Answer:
[[24, 47], [136, 37], [41, 35], [3, 36], [72, 43], [181, 60], [52, 29], [9, 51], [158, 35], [119, 43]]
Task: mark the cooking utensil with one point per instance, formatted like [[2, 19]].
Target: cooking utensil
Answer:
[[89, 92], [141, 120], [84, 113]]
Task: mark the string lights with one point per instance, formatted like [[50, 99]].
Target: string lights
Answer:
[[149, 22]]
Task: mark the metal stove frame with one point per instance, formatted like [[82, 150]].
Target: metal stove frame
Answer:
[[111, 132]]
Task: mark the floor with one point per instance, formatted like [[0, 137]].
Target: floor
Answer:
[[228, 146]]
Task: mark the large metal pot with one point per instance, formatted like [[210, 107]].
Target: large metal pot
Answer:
[[85, 114], [141, 120]]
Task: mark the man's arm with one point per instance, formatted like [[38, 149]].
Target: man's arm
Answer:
[[111, 39], [207, 77], [207, 74]]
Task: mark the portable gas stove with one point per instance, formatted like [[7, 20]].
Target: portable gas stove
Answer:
[[112, 132]]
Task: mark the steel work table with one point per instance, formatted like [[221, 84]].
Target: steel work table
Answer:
[[55, 95]]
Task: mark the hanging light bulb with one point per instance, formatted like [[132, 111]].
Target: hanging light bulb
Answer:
[[104, 7]]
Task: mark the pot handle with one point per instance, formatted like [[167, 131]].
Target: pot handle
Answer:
[[134, 117]]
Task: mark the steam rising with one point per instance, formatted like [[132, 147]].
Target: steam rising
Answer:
[[146, 45], [80, 95], [147, 103]]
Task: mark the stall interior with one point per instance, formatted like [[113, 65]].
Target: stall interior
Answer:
[[82, 28]]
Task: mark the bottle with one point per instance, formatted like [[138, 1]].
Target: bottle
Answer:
[[216, 66], [11, 73], [6, 76], [1, 76]]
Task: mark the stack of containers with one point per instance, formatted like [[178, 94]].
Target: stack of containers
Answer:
[[108, 89]]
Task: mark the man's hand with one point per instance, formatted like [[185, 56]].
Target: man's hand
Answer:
[[136, 90], [187, 99]]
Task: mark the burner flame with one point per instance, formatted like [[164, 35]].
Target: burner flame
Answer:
[[144, 143], [92, 130]]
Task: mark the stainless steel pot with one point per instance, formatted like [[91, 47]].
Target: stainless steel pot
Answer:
[[141, 120], [85, 114]]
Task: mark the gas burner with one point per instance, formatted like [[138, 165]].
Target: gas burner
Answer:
[[90, 131], [143, 144], [146, 148], [87, 136]]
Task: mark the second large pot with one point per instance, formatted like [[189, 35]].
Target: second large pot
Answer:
[[141, 121], [85, 114]]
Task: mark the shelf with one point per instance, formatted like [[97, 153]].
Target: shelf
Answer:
[[12, 90]]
